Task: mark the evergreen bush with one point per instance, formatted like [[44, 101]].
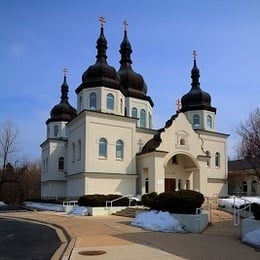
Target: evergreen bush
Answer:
[[99, 200], [147, 198], [182, 202], [256, 212]]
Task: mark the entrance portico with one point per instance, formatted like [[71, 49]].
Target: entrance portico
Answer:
[[162, 172], [181, 171]]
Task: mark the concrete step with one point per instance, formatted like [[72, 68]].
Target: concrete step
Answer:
[[129, 212]]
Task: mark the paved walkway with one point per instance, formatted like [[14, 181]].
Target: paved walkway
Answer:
[[120, 241]]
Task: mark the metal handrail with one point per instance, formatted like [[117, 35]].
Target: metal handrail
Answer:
[[237, 212], [129, 196], [207, 206], [70, 203]]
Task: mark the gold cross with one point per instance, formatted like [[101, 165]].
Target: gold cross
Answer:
[[102, 20], [178, 104], [65, 72], [125, 23], [194, 53]]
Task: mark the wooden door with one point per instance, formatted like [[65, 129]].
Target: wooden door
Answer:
[[169, 184]]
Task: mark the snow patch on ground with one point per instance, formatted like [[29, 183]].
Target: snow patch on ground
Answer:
[[237, 202], [44, 206], [158, 221], [79, 210]]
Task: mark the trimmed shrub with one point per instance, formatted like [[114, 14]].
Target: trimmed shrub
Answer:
[[148, 198], [99, 200], [182, 202], [256, 212], [253, 207], [93, 200], [188, 201]]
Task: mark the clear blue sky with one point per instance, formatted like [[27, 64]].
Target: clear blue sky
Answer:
[[41, 37]]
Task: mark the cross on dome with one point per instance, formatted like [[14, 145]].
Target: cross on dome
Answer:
[[125, 23], [194, 54], [178, 104], [102, 21], [65, 72]]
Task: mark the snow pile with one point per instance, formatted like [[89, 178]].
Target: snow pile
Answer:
[[79, 210], [253, 238], [2, 203], [44, 206], [158, 221], [237, 202]]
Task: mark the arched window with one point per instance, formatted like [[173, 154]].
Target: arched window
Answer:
[[121, 106], [146, 185], [110, 101], [182, 141], [134, 112], [209, 121], [80, 103], [150, 121], [61, 164], [47, 165], [196, 121], [93, 100], [44, 166], [208, 158], [187, 184], [56, 130], [48, 132], [102, 147], [217, 159], [253, 187], [119, 149], [244, 187], [73, 152], [142, 118], [179, 184], [79, 150]]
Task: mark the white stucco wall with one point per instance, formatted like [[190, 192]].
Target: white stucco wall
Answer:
[[53, 189], [190, 147]]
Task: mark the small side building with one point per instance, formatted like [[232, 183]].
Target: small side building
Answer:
[[242, 180]]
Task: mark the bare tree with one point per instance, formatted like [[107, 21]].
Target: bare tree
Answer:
[[248, 147], [19, 178], [8, 147], [29, 185]]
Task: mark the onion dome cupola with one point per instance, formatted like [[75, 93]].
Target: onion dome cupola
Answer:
[[196, 98], [63, 111], [132, 82], [100, 74]]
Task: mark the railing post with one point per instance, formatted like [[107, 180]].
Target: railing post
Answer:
[[210, 213]]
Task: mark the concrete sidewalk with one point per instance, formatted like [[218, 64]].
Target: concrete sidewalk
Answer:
[[118, 240]]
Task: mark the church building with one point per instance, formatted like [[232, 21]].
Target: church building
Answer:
[[107, 144]]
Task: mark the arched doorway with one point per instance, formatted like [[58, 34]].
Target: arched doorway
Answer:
[[181, 172]]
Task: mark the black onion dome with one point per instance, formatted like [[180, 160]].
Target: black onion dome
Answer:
[[132, 82], [196, 98], [63, 111], [100, 74]]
